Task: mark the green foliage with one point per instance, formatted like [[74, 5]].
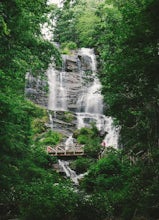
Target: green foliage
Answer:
[[104, 175], [76, 133], [126, 43], [82, 139], [86, 25], [45, 201], [67, 47], [50, 138], [71, 45], [81, 165], [38, 125], [95, 206], [128, 188], [68, 117], [76, 23], [92, 147], [22, 50], [41, 135], [89, 137], [65, 26], [127, 47], [88, 131], [41, 158], [121, 185], [66, 51]]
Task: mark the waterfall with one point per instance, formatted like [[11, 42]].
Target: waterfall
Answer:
[[91, 100], [69, 142], [51, 121], [68, 171], [111, 139], [90, 106], [64, 165], [77, 88], [57, 90], [90, 53], [51, 73], [62, 105]]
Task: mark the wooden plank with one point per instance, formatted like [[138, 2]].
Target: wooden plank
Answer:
[[61, 151]]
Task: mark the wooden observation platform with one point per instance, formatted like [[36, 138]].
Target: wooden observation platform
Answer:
[[61, 151]]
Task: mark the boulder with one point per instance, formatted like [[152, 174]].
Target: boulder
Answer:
[[85, 62], [71, 63]]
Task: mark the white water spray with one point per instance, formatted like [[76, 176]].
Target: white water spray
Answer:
[[69, 172], [90, 106], [69, 142], [57, 90]]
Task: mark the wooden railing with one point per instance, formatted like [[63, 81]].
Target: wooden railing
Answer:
[[61, 151]]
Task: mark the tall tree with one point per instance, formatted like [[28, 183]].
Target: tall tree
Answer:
[[22, 49], [76, 22], [127, 44]]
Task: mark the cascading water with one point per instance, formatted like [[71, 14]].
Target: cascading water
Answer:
[[69, 172], [69, 142], [62, 105], [90, 53], [57, 90], [94, 100], [91, 99], [87, 95], [111, 139], [51, 121], [51, 73], [90, 106], [77, 88]]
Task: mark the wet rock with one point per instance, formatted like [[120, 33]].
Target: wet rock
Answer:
[[64, 122], [36, 89], [85, 62], [77, 74], [71, 63]]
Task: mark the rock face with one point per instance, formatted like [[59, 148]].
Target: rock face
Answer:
[[70, 79], [85, 62], [69, 84], [36, 89], [66, 92], [71, 63], [63, 122], [72, 96]]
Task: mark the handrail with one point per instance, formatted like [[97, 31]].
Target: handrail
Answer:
[[61, 151]]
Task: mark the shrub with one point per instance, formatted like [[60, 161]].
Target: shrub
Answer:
[[82, 139], [45, 201], [68, 117], [89, 137], [76, 133], [82, 164], [70, 45], [51, 138], [87, 131], [92, 148], [38, 125], [67, 46]]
